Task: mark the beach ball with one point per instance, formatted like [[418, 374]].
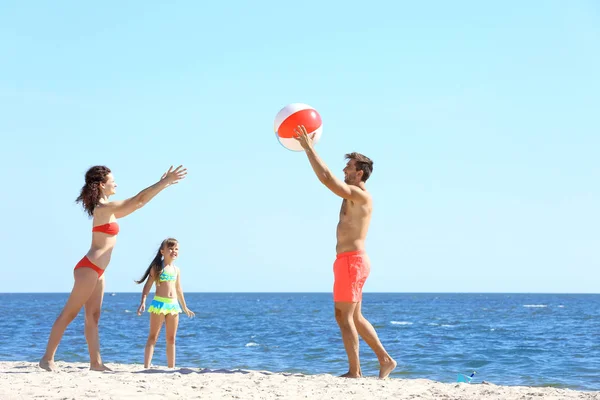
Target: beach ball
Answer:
[[292, 115]]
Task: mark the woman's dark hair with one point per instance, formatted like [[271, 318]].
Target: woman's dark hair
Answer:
[[90, 192], [157, 262]]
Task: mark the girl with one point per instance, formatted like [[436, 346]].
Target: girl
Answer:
[[88, 289], [165, 305]]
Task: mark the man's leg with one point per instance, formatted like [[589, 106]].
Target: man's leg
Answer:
[[344, 315], [367, 332]]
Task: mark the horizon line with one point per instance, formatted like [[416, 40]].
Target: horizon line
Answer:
[[309, 292]]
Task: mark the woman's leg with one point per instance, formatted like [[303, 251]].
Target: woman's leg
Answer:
[[85, 282], [93, 307]]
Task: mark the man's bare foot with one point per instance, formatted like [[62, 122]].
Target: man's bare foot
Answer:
[[386, 368], [349, 375], [100, 367], [48, 365]]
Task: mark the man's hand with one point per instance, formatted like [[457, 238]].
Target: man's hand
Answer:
[[302, 136]]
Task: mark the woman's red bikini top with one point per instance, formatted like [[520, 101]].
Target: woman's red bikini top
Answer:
[[110, 228]]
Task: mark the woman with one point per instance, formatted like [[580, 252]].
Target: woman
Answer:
[[88, 289]]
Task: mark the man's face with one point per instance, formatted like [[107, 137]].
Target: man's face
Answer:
[[351, 175]]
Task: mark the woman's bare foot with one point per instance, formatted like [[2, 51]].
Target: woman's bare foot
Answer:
[[386, 368], [48, 365], [99, 367], [349, 375]]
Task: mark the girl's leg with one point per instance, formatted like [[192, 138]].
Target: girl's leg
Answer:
[[85, 282], [172, 321], [156, 321], [92, 317]]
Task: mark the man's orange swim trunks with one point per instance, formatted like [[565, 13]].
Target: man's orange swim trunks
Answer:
[[350, 270]]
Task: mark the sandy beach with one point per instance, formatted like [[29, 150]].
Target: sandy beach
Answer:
[[24, 380]]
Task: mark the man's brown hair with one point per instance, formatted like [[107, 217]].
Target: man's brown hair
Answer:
[[363, 163]]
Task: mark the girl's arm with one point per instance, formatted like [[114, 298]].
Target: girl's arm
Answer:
[[180, 297], [145, 291]]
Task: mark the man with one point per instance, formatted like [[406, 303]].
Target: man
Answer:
[[352, 265]]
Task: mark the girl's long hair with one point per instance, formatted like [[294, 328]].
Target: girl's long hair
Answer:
[[157, 263]]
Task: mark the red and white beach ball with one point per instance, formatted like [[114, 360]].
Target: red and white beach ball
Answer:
[[292, 115]]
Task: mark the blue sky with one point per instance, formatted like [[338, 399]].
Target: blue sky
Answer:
[[482, 120]]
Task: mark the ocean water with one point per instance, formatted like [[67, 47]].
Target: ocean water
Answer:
[[508, 339]]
